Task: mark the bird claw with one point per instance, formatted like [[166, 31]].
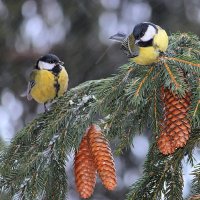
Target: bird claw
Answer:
[[132, 55], [45, 108]]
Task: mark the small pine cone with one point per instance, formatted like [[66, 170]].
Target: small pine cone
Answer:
[[84, 169], [175, 127], [102, 156]]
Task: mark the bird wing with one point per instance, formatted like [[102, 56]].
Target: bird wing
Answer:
[[133, 48], [31, 84], [129, 46]]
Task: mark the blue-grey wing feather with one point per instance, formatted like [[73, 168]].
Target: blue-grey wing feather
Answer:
[[30, 86]]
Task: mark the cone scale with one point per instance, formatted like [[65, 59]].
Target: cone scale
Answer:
[[175, 126]]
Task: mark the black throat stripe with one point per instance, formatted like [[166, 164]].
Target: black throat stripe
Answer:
[[56, 70], [56, 85], [145, 44]]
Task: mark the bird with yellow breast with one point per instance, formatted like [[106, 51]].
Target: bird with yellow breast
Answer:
[[48, 80], [144, 44]]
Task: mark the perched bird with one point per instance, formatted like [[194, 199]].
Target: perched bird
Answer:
[[48, 80], [144, 44]]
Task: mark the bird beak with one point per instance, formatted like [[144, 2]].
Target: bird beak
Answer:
[[119, 37], [61, 63]]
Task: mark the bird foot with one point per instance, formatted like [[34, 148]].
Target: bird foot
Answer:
[[45, 108], [132, 55]]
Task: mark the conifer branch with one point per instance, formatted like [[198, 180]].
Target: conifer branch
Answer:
[[160, 170], [171, 75], [196, 108], [183, 61], [143, 81], [156, 111], [123, 105]]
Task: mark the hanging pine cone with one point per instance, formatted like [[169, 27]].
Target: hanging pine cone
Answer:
[[102, 156], [85, 171], [175, 127], [93, 155]]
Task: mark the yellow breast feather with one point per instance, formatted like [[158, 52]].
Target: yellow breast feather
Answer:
[[146, 56], [43, 89], [161, 40], [63, 81]]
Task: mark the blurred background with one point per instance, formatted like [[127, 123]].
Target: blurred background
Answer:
[[77, 31]]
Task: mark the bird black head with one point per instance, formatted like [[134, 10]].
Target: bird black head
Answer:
[[49, 58], [49, 62], [144, 33]]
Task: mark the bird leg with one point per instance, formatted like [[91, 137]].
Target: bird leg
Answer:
[[132, 55], [45, 107]]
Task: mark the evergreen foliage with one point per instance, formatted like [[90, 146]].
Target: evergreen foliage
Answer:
[[33, 166]]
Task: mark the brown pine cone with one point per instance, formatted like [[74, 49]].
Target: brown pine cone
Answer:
[[102, 156], [175, 126], [84, 168]]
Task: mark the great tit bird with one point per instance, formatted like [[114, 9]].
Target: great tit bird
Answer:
[[48, 80], [144, 44]]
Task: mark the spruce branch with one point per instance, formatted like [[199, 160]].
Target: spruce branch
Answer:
[[33, 166], [193, 63], [142, 82], [173, 79], [163, 174], [196, 108]]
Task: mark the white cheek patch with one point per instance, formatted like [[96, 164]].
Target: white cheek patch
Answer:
[[150, 33], [46, 66]]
